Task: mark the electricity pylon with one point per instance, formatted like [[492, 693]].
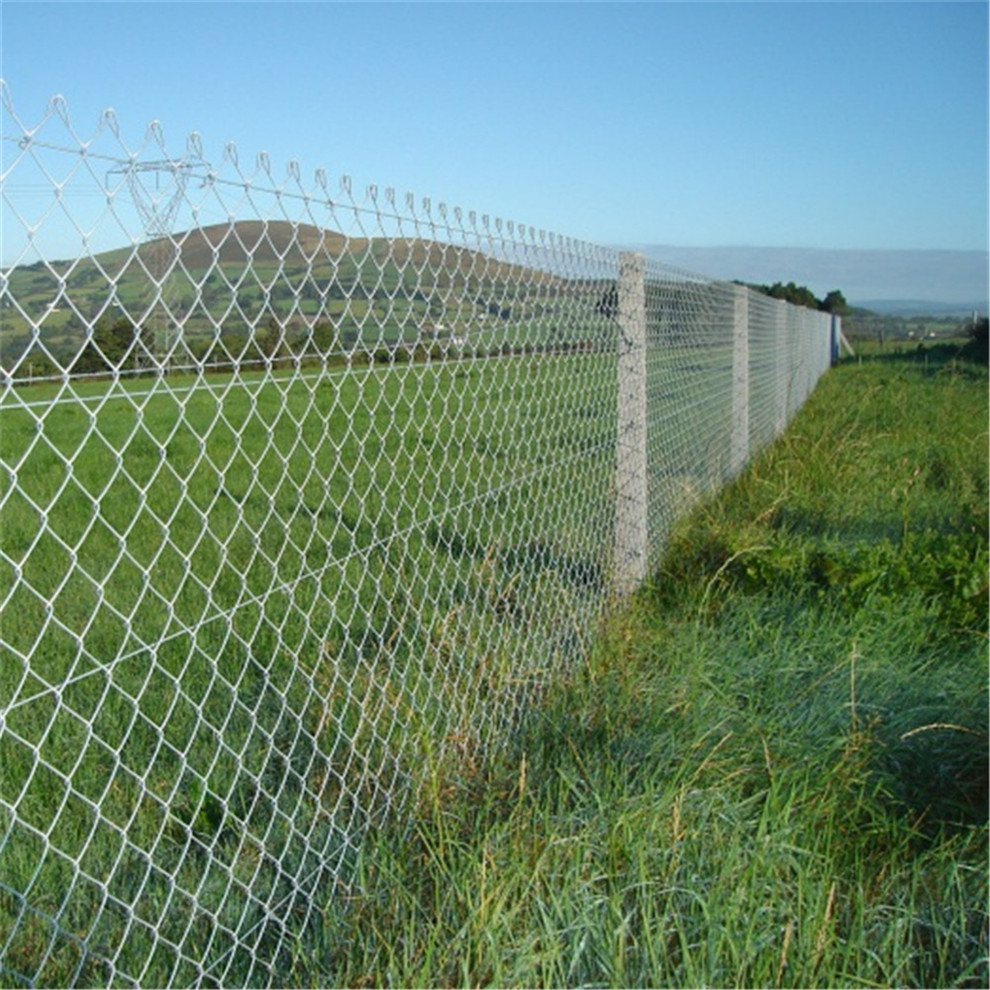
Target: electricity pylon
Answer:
[[158, 210]]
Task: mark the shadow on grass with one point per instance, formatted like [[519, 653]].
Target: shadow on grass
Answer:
[[533, 557], [941, 773]]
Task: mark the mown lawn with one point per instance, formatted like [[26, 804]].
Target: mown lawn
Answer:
[[773, 769]]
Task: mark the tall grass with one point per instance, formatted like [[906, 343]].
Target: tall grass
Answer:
[[772, 771]]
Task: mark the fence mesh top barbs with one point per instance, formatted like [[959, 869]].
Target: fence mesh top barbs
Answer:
[[302, 491]]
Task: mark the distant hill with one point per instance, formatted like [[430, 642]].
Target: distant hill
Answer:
[[951, 279], [271, 242], [922, 307], [236, 281]]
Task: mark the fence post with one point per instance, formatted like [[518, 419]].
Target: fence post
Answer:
[[782, 367], [631, 489], [740, 379]]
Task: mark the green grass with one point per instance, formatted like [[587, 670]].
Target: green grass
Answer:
[[768, 773], [773, 770], [239, 613]]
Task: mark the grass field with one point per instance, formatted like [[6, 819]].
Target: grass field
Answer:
[[240, 612], [314, 589], [773, 772]]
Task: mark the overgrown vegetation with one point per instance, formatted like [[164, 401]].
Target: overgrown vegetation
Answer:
[[772, 772]]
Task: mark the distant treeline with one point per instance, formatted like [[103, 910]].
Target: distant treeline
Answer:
[[801, 295]]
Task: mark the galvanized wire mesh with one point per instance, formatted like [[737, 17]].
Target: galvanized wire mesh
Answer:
[[302, 492]]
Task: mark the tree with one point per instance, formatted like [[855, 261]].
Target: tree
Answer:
[[270, 340], [835, 302], [978, 338], [324, 338], [801, 295], [116, 344]]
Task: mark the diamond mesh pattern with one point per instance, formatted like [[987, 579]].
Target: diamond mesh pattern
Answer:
[[302, 492]]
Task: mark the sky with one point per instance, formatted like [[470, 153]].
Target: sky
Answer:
[[812, 125]]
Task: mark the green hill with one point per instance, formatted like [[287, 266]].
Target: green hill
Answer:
[[233, 280]]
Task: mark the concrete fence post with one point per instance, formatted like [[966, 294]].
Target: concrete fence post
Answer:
[[782, 366], [740, 379], [631, 484], [834, 337]]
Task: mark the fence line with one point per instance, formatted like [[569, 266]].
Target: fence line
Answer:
[[301, 493]]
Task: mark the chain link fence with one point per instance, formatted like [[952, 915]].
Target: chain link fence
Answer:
[[303, 493]]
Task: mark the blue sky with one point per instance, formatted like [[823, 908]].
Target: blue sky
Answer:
[[827, 125]]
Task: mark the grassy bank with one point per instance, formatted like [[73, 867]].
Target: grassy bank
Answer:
[[773, 770]]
